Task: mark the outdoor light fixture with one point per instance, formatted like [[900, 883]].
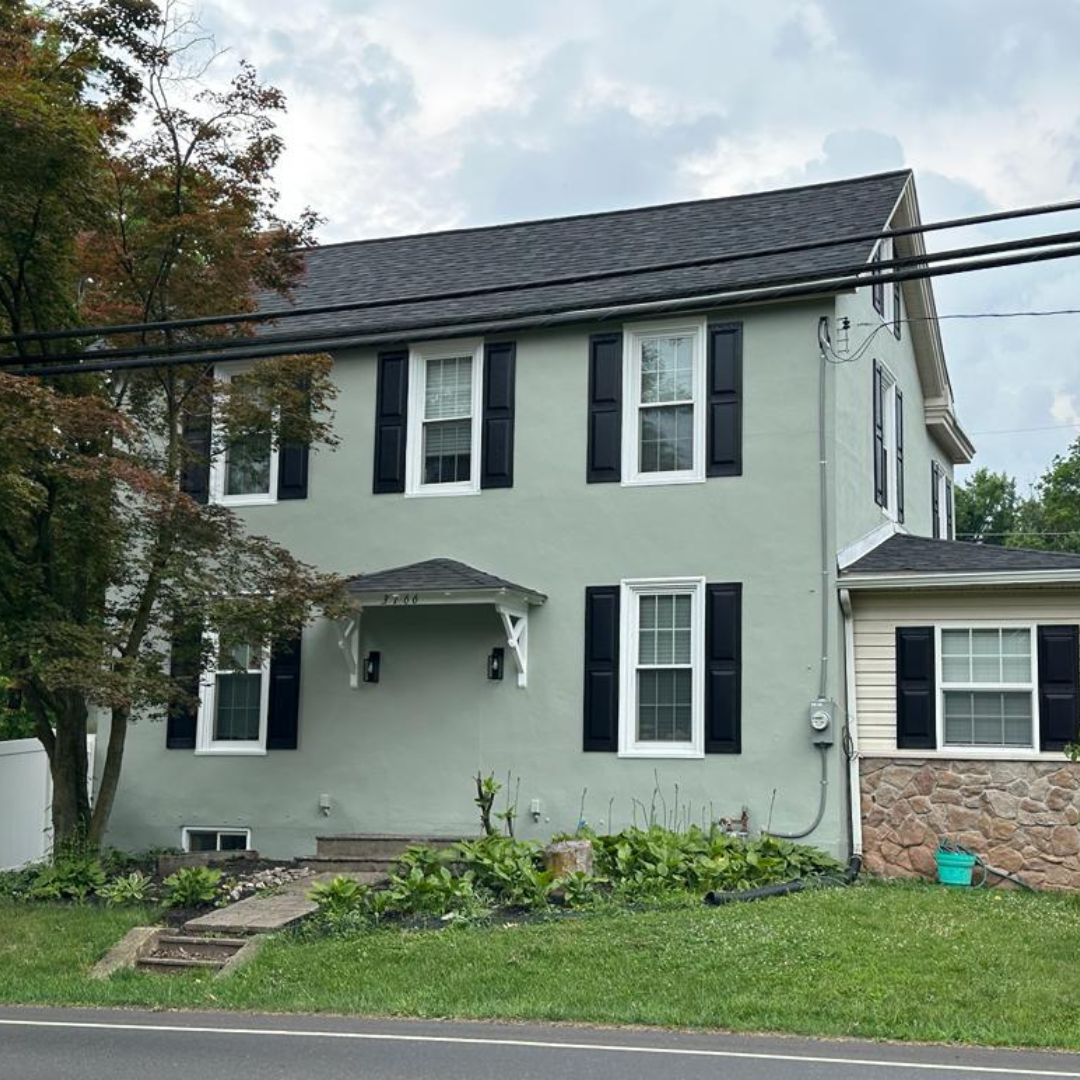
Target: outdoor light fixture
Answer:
[[495, 664], [371, 667]]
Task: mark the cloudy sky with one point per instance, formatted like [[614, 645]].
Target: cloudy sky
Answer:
[[412, 115]]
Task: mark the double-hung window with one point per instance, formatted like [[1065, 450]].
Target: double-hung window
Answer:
[[246, 472], [888, 443], [444, 419], [198, 839], [941, 502], [234, 699], [663, 650], [664, 392], [987, 685]]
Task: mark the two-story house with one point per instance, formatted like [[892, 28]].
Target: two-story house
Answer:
[[594, 478]]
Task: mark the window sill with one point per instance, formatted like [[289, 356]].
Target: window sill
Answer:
[[441, 491], [245, 500], [659, 753], [662, 480], [960, 753], [232, 751]]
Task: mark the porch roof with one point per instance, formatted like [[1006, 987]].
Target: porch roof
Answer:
[[435, 578]]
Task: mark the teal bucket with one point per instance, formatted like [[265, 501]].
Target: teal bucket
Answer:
[[955, 867]]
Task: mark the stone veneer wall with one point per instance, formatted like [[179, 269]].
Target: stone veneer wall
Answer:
[[1018, 816]]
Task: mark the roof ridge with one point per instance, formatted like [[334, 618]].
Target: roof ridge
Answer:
[[521, 222]]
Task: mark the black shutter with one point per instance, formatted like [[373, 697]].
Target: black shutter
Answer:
[[879, 437], [896, 316], [497, 437], [877, 289], [292, 470], [601, 668], [723, 669], [935, 498], [949, 535], [185, 662], [391, 414], [916, 723], [1059, 686], [283, 719], [724, 439], [195, 435], [605, 409], [899, 456]]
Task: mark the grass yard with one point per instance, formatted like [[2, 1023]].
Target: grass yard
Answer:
[[906, 961]]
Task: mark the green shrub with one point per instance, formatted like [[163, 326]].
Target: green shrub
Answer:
[[342, 896], [69, 877], [192, 886], [578, 890], [510, 871], [18, 884], [424, 884], [126, 889]]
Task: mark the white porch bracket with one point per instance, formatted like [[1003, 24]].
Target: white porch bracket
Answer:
[[348, 631], [516, 624]]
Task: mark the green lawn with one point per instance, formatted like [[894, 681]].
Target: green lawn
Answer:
[[883, 961]]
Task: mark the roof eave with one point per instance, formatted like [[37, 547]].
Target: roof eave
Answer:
[[946, 431], [429, 597], [958, 579]]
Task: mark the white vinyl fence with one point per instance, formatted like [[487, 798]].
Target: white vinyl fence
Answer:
[[26, 801]]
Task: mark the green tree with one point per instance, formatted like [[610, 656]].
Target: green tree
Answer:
[[1050, 519], [986, 507], [102, 556]]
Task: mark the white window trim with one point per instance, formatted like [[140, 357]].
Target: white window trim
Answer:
[[205, 743], [221, 830], [419, 355], [218, 469], [888, 425], [959, 750], [946, 492], [631, 442], [630, 590]]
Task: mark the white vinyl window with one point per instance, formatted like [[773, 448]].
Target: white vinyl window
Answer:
[[662, 668], [942, 503], [664, 403], [246, 472], [987, 687], [234, 700], [444, 419], [198, 838], [890, 458]]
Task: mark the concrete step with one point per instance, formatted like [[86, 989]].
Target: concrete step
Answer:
[[198, 946], [374, 847], [167, 964], [366, 871]]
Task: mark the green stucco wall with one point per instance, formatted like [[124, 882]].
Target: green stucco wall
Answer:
[[398, 756]]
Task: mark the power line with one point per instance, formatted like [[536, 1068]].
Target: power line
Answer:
[[1023, 430], [799, 286], [986, 315], [600, 275]]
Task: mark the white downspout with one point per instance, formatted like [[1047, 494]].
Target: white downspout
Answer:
[[854, 788]]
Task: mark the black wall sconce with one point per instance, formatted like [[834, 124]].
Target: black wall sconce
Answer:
[[495, 663], [371, 667]]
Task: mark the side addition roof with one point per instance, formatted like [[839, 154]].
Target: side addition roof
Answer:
[[917, 560]]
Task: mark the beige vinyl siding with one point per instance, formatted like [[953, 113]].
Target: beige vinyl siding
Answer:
[[877, 615]]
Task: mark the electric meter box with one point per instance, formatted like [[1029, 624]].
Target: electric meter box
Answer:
[[822, 722]]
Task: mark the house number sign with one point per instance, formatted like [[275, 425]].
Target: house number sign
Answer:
[[401, 598]]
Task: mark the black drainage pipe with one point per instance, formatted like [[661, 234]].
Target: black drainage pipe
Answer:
[[716, 899]]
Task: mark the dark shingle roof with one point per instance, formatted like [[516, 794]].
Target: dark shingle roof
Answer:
[[533, 251], [901, 554], [435, 575]]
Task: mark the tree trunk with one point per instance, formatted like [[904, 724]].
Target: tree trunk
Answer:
[[110, 774], [69, 766]]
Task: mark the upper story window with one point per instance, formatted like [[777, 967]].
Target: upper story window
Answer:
[[663, 668], [987, 687], [246, 473], [888, 412], [877, 289], [941, 502], [444, 419], [234, 700], [664, 404]]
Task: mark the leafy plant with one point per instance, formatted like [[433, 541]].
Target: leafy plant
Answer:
[[18, 884], [126, 889], [342, 896], [577, 890], [192, 886], [69, 877], [511, 871], [424, 884]]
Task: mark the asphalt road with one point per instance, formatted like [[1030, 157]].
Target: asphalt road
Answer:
[[91, 1044]]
